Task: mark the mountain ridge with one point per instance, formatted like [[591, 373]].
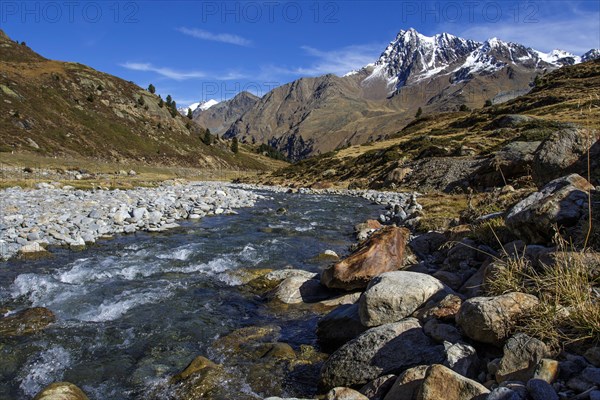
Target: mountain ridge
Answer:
[[437, 74]]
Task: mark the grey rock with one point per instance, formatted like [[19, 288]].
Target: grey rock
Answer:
[[339, 327], [541, 390], [521, 357], [491, 319], [386, 349], [395, 295]]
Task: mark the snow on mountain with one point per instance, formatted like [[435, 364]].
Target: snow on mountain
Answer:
[[593, 54], [412, 57], [202, 105]]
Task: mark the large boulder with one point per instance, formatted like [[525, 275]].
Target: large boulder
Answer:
[[383, 252], [512, 161], [26, 322], [492, 319], [442, 383], [562, 202], [565, 151], [386, 349], [339, 327], [395, 295], [61, 391]]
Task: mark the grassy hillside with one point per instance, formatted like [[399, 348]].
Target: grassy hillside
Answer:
[[434, 149], [52, 109]]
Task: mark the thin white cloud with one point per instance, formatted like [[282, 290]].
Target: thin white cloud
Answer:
[[183, 75], [576, 35], [164, 71], [338, 61], [215, 37]]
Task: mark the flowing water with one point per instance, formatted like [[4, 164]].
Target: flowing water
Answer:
[[135, 309]]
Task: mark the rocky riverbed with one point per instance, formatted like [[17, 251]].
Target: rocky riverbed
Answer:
[[401, 316], [62, 216]]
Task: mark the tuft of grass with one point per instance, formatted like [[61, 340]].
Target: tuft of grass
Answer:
[[569, 310]]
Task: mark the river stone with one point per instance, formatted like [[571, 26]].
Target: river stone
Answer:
[[344, 393], [200, 379], [363, 230], [377, 388], [383, 252], [504, 393], [521, 356], [442, 332], [61, 391], [492, 319], [26, 322], [460, 357], [445, 309], [408, 384], [395, 295], [562, 202], [298, 289], [386, 349], [32, 248], [339, 327], [442, 383], [593, 355], [541, 390], [547, 370]]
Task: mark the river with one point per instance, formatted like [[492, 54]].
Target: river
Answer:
[[136, 309]]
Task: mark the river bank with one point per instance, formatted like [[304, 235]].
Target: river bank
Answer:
[[34, 219]]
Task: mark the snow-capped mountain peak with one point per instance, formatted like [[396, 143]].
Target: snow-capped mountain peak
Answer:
[[412, 56], [202, 105]]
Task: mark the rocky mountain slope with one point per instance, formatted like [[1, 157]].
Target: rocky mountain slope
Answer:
[[437, 74], [538, 136], [219, 116], [62, 109]]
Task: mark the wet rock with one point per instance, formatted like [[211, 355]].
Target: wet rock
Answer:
[[541, 390], [521, 356], [267, 281], [442, 383], [377, 389], [297, 289], [386, 349], [562, 202], [200, 379], [395, 295], [492, 319], [383, 252], [26, 322], [239, 339], [344, 393], [408, 384], [339, 327], [61, 391], [343, 299]]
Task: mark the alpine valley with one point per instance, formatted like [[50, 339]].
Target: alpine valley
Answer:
[[441, 73]]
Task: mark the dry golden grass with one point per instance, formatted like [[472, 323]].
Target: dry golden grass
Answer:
[[569, 310]]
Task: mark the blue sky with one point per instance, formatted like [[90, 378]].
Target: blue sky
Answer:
[[197, 50]]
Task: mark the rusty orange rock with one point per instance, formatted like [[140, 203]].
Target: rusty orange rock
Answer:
[[383, 252]]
